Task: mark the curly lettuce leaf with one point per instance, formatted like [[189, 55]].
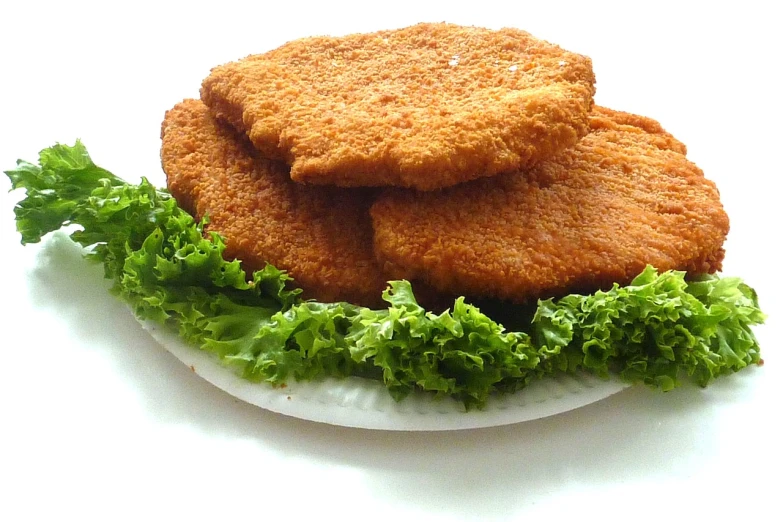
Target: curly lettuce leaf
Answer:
[[657, 330]]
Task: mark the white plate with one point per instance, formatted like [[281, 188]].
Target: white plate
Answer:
[[363, 403]]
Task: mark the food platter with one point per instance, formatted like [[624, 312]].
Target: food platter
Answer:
[[363, 403]]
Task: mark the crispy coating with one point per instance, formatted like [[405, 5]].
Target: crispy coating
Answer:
[[623, 198], [321, 235], [426, 106]]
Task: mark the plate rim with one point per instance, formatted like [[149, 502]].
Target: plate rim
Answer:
[[356, 402]]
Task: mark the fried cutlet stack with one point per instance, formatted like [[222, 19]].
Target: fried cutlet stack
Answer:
[[469, 161]]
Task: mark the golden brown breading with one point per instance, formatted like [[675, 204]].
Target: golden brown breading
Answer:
[[321, 235], [623, 198], [427, 106]]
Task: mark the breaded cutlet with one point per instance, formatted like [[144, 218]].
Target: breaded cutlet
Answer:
[[321, 235], [624, 197], [426, 107]]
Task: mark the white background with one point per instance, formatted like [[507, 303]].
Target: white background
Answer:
[[98, 423]]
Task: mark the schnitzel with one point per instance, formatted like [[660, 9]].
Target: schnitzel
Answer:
[[321, 236], [424, 107], [597, 214]]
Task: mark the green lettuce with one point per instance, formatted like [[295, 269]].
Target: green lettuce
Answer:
[[657, 330]]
